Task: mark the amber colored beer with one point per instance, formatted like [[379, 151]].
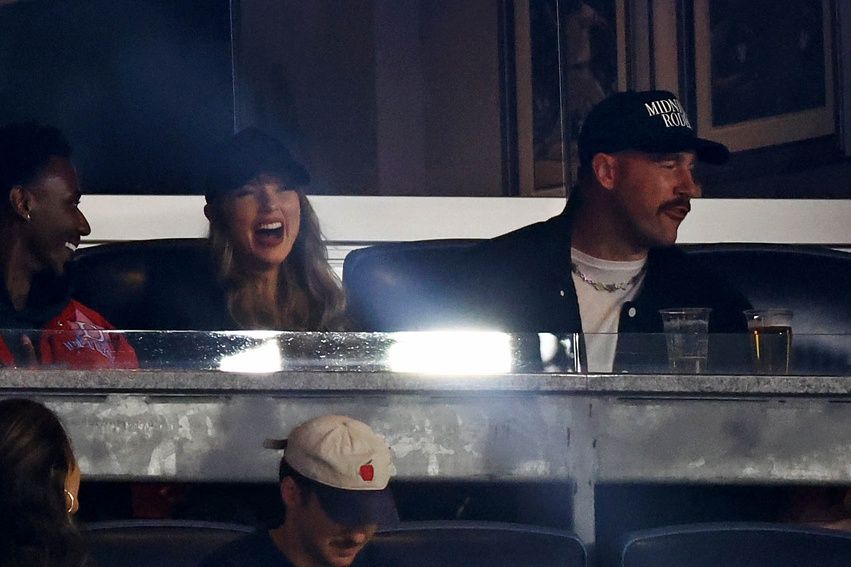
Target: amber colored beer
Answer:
[[772, 349]]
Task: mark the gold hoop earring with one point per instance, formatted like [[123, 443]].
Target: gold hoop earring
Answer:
[[73, 501]]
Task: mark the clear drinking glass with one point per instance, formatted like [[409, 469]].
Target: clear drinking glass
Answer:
[[687, 337]]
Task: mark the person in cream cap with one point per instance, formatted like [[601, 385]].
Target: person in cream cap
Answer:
[[334, 483]]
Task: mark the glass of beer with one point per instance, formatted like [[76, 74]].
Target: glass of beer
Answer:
[[771, 340]]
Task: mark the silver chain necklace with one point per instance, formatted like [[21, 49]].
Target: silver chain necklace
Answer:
[[608, 287]]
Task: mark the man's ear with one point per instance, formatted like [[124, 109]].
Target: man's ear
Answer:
[[603, 166], [21, 201], [290, 493]]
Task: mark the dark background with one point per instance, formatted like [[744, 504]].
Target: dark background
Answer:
[[142, 88]]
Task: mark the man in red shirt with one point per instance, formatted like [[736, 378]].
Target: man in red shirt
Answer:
[[40, 229]]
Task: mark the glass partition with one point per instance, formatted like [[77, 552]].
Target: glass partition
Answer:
[[447, 353]]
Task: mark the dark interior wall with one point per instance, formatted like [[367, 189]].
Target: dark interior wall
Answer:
[[380, 97], [305, 72], [141, 88], [810, 169], [461, 69]]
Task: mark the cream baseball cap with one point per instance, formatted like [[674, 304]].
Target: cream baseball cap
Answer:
[[350, 465]]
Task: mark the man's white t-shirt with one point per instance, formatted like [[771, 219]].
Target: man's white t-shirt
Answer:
[[599, 309]]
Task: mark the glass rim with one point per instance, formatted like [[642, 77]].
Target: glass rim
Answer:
[[783, 311], [685, 310]]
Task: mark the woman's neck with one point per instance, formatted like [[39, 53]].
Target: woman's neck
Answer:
[[264, 279], [254, 300]]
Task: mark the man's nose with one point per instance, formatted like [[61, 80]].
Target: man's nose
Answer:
[[688, 185], [358, 537], [83, 225]]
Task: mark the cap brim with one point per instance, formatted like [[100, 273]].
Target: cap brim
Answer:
[[705, 150], [358, 507], [711, 152]]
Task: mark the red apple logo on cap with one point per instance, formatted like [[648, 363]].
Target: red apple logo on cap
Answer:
[[366, 472]]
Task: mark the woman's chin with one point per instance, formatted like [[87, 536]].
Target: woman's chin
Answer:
[[265, 258]]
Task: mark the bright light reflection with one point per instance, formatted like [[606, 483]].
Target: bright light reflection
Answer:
[[549, 346], [260, 359], [450, 352]]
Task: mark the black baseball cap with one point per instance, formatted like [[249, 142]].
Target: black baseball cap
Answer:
[[246, 155], [648, 121]]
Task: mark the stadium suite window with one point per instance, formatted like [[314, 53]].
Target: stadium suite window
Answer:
[[377, 98]]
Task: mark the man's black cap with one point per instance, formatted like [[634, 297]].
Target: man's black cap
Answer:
[[648, 121], [245, 156]]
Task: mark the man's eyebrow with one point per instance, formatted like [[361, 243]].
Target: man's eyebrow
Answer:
[[674, 156]]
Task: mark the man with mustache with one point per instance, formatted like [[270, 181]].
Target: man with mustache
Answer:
[[607, 263], [40, 228], [334, 476]]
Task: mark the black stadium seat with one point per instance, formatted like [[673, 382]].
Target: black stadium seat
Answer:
[[157, 543], [404, 286], [175, 543], [476, 544], [734, 544], [124, 280]]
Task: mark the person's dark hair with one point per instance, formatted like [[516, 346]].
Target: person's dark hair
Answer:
[[305, 485], [310, 297], [35, 457], [284, 470], [25, 149]]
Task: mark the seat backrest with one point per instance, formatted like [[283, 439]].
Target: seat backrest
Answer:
[[475, 544], [123, 280], [157, 543], [396, 285], [401, 285], [736, 545], [405, 286], [813, 281]]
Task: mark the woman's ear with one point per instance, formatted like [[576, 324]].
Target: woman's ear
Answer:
[[20, 200]]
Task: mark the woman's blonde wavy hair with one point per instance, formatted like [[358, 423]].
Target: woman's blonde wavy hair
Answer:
[[310, 296]]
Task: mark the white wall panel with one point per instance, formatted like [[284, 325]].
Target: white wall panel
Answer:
[[357, 220]]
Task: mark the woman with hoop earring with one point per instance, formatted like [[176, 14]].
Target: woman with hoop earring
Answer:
[[39, 484]]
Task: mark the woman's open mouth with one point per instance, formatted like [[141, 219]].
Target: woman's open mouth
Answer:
[[269, 234]]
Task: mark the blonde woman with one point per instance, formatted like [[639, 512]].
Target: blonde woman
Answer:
[[268, 259]]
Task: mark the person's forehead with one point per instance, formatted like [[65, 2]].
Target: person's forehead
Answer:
[[58, 176], [266, 179], [685, 156]]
